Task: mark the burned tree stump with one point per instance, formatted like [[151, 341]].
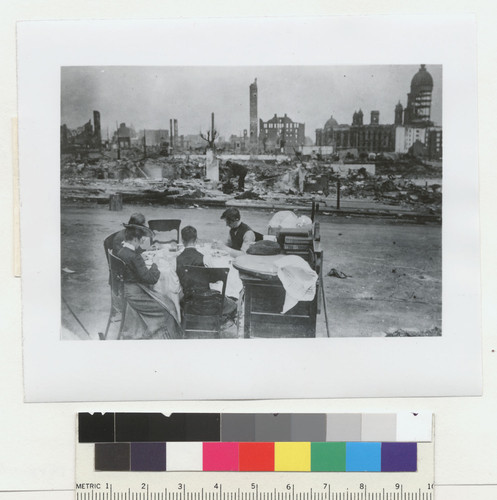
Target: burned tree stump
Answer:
[[115, 202]]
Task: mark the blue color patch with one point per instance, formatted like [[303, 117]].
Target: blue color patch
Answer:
[[363, 457]]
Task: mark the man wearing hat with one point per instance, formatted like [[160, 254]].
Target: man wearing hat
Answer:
[[241, 235], [136, 220]]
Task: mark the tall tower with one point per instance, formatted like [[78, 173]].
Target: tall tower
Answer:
[[97, 133], [253, 115], [375, 117], [419, 99], [175, 125], [399, 110]]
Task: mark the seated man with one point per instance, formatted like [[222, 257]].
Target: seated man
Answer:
[[198, 293], [241, 236], [160, 323], [136, 219]]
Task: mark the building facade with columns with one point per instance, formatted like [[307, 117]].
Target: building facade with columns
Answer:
[[412, 125]]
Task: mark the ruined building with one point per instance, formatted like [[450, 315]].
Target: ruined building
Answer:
[[123, 136], [240, 144], [154, 137], [86, 137], [281, 134]]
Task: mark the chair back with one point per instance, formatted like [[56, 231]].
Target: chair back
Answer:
[[210, 319], [117, 268], [164, 225], [108, 242]]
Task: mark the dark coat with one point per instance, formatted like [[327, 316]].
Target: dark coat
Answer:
[[136, 271]]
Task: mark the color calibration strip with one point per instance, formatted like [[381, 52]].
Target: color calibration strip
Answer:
[[256, 457], [255, 442], [259, 427]]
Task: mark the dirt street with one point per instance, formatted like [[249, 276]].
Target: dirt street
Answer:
[[394, 269]]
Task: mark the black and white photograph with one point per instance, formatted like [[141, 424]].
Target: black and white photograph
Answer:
[[262, 219], [251, 202]]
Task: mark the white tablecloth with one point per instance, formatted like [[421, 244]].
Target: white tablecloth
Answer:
[[169, 284], [213, 258]]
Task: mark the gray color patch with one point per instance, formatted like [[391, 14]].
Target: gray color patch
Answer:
[[343, 427], [269, 427], [379, 427], [237, 427], [309, 427]]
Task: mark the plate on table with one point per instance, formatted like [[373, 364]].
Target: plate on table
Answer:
[[173, 250], [219, 253]]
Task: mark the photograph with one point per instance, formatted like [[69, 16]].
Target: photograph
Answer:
[[241, 202]]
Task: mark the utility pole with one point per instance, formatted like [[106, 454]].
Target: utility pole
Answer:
[[118, 143]]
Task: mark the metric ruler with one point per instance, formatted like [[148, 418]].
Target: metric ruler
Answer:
[[258, 486], [100, 476]]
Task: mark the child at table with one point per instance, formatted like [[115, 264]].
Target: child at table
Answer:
[[196, 292]]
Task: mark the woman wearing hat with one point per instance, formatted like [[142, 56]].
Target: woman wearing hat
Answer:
[[161, 323], [136, 220]]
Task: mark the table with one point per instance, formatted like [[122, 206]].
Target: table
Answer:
[[264, 299], [217, 258], [169, 284]]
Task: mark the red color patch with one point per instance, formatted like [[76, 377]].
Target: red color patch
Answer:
[[256, 457]]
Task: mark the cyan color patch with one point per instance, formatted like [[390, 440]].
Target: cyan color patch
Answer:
[[363, 457]]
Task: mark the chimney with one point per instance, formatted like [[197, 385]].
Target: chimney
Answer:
[[97, 133]]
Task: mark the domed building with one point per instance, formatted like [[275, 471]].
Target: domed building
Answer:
[[325, 136], [330, 124], [412, 124], [418, 107]]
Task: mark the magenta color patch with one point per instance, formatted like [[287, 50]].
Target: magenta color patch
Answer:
[[220, 456]]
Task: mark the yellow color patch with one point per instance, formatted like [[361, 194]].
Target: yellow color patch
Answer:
[[294, 457]]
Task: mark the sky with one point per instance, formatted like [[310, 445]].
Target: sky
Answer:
[[147, 97]]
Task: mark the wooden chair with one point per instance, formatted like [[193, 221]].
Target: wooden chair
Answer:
[[108, 244], [118, 303], [204, 324], [167, 311], [163, 225]]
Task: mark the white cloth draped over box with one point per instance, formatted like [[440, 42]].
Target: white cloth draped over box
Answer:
[[298, 280]]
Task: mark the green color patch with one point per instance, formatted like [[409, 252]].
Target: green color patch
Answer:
[[326, 457]]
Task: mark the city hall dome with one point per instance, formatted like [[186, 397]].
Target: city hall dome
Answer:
[[422, 80], [331, 123]]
